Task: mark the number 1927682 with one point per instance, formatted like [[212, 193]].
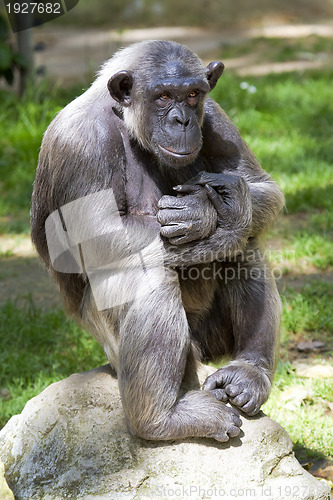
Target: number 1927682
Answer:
[[34, 7]]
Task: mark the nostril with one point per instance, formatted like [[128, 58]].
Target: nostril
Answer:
[[182, 122]]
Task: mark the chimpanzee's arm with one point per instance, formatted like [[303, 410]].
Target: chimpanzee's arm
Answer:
[[245, 197], [225, 152]]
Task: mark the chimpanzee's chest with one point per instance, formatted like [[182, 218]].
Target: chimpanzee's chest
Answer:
[[142, 186], [146, 181]]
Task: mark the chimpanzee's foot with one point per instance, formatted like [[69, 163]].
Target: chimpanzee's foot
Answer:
[[196, 414], [244, 385]]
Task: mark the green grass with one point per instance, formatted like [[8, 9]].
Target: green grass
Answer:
[[22, 124], [37, 348], [281, 49], [288, 122], [305, 248], [308, 312], [307, 420], [307, 315]]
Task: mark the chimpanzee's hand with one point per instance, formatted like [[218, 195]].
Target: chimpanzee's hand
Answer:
[[230, 195], [187, 218]]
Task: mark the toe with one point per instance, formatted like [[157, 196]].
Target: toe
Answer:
[[233, 431], [220, 436], [237, 421]]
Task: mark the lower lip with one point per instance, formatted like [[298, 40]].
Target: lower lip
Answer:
[[178, 155]]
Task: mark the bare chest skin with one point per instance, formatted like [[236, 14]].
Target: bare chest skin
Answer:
[[146, 182], [142, 191]]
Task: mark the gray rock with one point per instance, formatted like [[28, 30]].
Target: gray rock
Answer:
[[5, 492], [71, 442]]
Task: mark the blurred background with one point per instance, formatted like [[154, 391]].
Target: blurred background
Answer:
[[277, 88], [72, 47]]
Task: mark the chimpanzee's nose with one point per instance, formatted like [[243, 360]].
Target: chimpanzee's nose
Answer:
[[183, 120]]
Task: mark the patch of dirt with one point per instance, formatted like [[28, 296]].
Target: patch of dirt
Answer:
[[298, 281], [22, 274], [292, 271], [72, 54]]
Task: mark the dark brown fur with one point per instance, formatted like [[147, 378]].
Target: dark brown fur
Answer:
[[214, 294]]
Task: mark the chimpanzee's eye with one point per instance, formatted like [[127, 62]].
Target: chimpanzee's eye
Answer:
[[193, 93]]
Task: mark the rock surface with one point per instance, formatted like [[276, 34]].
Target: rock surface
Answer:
[[5, 492], [71, 442]]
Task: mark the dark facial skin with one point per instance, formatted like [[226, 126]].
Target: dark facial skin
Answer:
[[174, 108]]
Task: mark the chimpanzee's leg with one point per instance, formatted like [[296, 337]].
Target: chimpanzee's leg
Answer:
[[244, 321], [154, 349]]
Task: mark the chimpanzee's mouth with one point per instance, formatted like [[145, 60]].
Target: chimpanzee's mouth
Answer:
[[179, 154]]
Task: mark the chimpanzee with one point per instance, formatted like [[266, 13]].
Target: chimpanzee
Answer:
[[148, 210]]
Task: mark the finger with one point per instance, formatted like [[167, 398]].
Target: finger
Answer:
[[251, 408], [209, 385], [241, 399], [214, 180], [171, 202], [213, 381], [220, 394], [173, 230], [170, 217], [233, 390], [253, 412], [201, 179], [214, 198], [183, 239], [187, 189]]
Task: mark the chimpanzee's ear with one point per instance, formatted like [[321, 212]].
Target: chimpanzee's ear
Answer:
[[120, 87], [213, 72]]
